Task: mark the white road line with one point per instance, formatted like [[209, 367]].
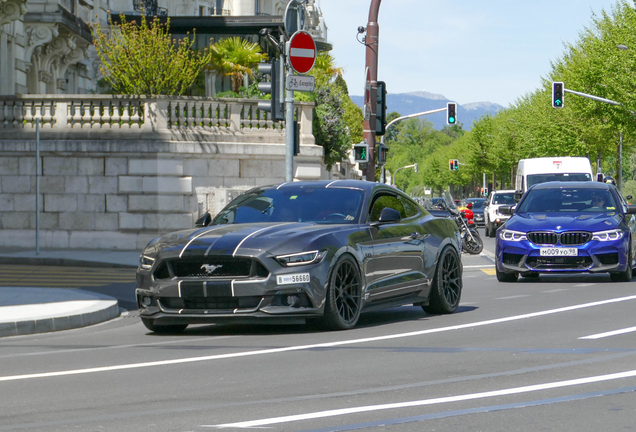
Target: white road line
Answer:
[[584, 284], [512, 297], [612, 333], [314, 346], [465, 397], [556, 290], [480, 266]]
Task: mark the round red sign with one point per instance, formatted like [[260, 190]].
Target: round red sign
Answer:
[[302, 52]]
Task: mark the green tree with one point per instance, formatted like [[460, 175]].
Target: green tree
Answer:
[[142, 59], [235, 57]]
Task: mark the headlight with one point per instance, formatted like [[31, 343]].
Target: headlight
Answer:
[[609, 235], [512, 235], [146, 262], [302, 258]]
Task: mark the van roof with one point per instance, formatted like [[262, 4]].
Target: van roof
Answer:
[[565, 164]]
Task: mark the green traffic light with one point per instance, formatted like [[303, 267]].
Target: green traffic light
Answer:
[[557, 102], [451, 119]]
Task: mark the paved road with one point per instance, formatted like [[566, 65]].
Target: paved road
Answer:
[[534, 355]]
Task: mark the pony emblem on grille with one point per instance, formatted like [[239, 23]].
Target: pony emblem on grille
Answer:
[[210, 268]]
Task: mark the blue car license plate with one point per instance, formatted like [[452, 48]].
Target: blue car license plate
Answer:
[[554, 251]]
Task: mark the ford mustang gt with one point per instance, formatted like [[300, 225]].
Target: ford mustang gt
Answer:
[[562, 227], [297, 251]]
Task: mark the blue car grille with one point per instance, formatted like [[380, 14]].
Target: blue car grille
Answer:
[[570, 238], [572, 263]]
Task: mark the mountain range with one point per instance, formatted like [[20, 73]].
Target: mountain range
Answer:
[[420, 101]]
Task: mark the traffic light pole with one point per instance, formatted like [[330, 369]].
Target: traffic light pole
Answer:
[[289, 120], [372, 43]]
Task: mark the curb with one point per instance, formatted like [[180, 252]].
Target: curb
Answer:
[[66, 262]]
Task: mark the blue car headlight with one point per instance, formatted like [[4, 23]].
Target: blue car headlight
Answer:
[[301, 258], [511, 235], [609, 235]]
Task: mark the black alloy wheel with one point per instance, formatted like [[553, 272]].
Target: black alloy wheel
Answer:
[[344, 295], [163, 329], [446, 290]]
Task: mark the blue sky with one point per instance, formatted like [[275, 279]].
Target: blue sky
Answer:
[[466, 50]]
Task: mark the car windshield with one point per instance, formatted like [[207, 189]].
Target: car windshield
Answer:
[[534, 179], [568, 200], [477, 204], [504, 198], [320, 205]]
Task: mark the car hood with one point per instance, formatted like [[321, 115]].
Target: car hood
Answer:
[[243, 239], [525, 222]]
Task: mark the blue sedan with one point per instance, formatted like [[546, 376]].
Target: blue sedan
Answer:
[[564, 227]]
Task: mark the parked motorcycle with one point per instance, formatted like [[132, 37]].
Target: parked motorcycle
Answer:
[[471, 240]]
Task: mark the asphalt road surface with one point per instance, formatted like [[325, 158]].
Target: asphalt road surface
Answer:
[[556, 353]]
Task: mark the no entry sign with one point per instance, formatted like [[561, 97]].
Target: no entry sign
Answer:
[[302, 52]]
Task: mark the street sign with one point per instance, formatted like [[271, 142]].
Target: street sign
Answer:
[[294, 17], [300, 83], [302, 52]]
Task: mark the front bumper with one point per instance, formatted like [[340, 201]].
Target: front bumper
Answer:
[[592, 257], [201, 300]]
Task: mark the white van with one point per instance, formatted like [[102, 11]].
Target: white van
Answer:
[[541, 170]]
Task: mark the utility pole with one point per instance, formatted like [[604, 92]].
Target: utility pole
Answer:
[[372, 42]]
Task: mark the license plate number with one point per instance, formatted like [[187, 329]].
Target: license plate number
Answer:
[[559, 252], [293, 278]]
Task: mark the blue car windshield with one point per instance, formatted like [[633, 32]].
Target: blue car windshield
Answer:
[[311, 204], [568, 200]]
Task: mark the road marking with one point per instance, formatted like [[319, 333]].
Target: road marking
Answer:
[[512, 297], [481, 266], [584, 284], [556, 290], [490, 271], [313, 346], [423, 402], [612, 333]]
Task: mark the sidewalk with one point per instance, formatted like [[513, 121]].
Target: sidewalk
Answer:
[[39, 310]]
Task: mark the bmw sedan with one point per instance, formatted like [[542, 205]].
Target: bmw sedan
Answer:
[[302, 250], [563, 227]]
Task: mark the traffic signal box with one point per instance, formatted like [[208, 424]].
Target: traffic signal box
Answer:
[[453, 164], [451, 113], [275, 105], [380, 115], [381, 154], [361, 153], [558, 90]]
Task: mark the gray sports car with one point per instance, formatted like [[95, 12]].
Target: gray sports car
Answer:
[[296, 251]]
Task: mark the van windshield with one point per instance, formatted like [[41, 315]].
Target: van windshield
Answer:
[[534, 179]]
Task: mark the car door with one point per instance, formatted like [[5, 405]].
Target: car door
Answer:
[[396, 267]]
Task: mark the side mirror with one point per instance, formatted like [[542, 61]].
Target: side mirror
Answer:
[[388, 215], [518, 195], [507, 210], [203, 221], [631, 209]]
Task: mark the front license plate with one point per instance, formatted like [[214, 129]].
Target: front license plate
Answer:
[[293, 278], [559, 252]]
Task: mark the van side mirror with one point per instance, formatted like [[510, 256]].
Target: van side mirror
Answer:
[[518, 195], [507, 210]]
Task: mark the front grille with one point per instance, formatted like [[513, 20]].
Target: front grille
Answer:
[[210, 267], [543, 238], [570, 238], [559, 263], [575, 238], [211, 303]]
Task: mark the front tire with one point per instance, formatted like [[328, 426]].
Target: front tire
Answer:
[[506, 277], [446, 290], [344, 295], [163, 329], [473, 246], [624, 276]]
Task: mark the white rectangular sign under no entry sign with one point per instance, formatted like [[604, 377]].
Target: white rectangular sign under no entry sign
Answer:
[[300, 83]]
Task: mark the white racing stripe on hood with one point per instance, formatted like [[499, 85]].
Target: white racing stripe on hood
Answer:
[[196, 237], [256, 232]]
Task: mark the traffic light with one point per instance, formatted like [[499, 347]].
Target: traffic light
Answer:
[[453, 164], [275, 105], [558, 90], [451, 113], [380, 115], [416, 167], [361, 152], [484, 192], [381, 153]]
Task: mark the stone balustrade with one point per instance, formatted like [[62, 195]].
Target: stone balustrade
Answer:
[[119, 171]]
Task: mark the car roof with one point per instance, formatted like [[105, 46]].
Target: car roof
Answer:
[[570, 185], [366, 186]]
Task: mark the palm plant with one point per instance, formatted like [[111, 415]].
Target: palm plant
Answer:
[[235, 57]]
